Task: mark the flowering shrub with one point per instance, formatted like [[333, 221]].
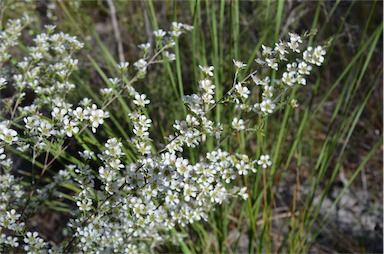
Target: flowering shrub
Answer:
[[122, 206]]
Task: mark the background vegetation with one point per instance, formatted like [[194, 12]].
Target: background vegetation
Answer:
[[324, 192]]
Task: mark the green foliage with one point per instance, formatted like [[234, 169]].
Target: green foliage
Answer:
[[309, 145]]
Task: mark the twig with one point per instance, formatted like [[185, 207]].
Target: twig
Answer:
[[116, 31], [147, 24]]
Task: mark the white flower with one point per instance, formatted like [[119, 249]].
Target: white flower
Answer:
[[145, 46], [294, 43], [171, 198], [264, 161], [291, 67], [243, 91], [7, 163], [319, 51], [242, 167], [70, 127], [79, 114], [105, 92], [176, 29], [140, 100], [31, 237], [295, 37], [281, 49], [96, 116], [267, 93], [12, 241], [218, 194], [45, 128], [12, 215], [301, 80], [272, 63], [318, 55], [85, 102], [85, 204], [141, 65], [169, 56], [143, 148], [314, 56], [206, 84], [189, 191], [123, 66], [8, 135], [106, 174], [3, 82], [293, 103], [114, 81], [207, 70], [304, 68], [267, 106], [183, 167], [239, 65], [238, 124], [294, 46], [2, 155], [288, 78], [243, 193], [58, 113], [86, 154], [159, 34], [267, 51]]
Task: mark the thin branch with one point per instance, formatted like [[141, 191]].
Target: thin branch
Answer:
[[147, 25], [116, 31]]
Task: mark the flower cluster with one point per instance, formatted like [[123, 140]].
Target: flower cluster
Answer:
[[128, 193], [9, 36], [164, 189], [272, 91], [153, 195], [38, 125]]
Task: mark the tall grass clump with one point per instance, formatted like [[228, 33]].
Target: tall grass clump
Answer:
[[180, 145]]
